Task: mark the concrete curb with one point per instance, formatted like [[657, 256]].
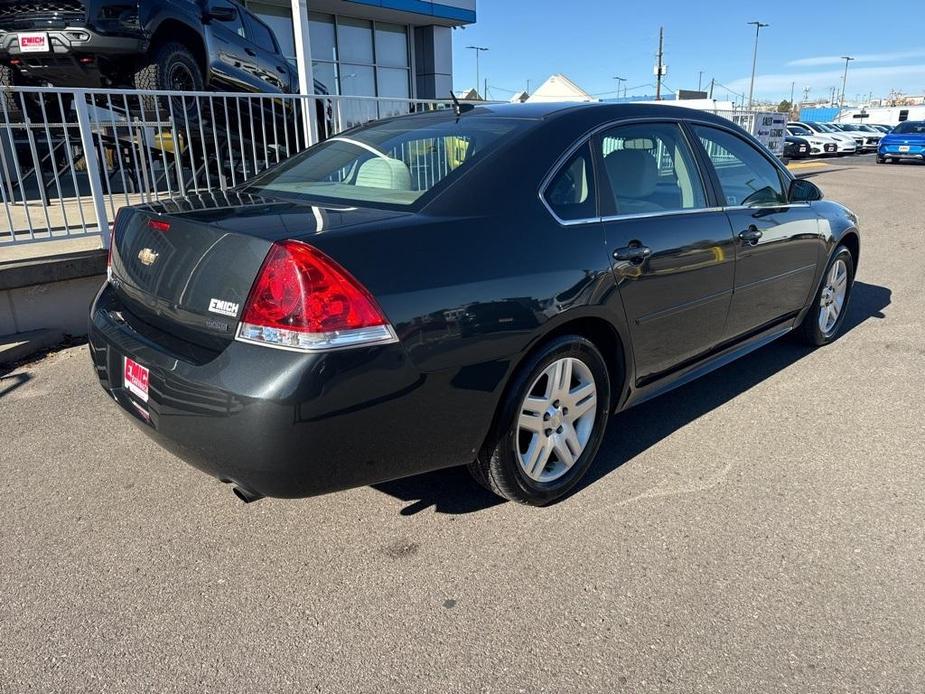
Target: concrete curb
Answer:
[[59, 268], [14, 348]]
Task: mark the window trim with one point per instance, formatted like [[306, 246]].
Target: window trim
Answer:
[[703, 163]]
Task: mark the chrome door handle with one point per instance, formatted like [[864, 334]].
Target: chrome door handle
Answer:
[[634, 254], [750, 235]]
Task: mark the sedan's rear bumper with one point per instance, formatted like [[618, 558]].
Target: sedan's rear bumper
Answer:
[[280, 423]]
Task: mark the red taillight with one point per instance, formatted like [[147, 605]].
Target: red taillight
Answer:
[[158, 225], [304, 300]]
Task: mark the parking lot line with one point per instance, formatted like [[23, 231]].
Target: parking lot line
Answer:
[[807, 165]]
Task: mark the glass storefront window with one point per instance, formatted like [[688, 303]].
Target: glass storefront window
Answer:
[[321, 36], [353, 57], [326, 75], [393, 82], [391, 45], [355, 40], [357, 80]]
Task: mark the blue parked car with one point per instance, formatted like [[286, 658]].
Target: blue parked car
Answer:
[[905, 141]]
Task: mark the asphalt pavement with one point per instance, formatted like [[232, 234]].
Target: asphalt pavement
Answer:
[[760, 530]]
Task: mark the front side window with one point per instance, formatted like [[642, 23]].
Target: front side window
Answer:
[[650, 168], [391, 163], [745, 175], [570, 192], [259, 34], [234, 25]]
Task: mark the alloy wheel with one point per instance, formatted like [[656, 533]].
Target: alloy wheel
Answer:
[[556, 419], [832, 299]]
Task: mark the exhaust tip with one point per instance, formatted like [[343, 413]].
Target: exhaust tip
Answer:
[[245, 495]]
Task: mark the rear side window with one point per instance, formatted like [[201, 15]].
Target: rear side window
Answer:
[[650, 168], [570, 192], [745, 174], [258, 34]]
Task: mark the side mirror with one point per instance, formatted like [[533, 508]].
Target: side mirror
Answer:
[[802, 190], [222, 13]]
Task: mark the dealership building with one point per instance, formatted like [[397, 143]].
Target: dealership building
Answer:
[[395, 49]]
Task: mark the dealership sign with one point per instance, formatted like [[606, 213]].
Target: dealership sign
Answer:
[[768, 127]]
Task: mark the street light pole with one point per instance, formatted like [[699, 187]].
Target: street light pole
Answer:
[[751, 87], [620, 81], [477, 49], [844, 81]]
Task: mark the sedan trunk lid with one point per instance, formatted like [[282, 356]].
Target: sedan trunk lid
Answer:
[[186, 266]]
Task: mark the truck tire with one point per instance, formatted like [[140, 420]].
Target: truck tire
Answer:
[[11, 101], [170, 66]]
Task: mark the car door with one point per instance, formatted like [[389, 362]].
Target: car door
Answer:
[[268, 64], [671, 248], [229, 61], [777, 244]]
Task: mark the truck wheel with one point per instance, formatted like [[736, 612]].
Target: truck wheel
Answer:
[[171, 67], [10, 101]]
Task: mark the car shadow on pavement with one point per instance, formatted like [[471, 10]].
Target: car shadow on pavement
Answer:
[[10, 383], [453, 491]]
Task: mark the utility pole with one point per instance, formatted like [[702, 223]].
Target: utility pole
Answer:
[[477, 49], [751, 87], [485, 93], [712, 82], [699, 79], [792, 87], [620, 81], [658, 67], [844, 80]]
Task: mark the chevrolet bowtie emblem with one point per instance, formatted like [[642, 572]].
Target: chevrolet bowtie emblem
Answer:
[[147, 256]]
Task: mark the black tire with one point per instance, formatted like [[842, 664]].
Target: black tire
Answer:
[[810, 331], [170, 66], [10, 101], [498, 467], [880, 160]]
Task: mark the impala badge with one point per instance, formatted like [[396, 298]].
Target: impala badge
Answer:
[[147, 256], [226, 308]]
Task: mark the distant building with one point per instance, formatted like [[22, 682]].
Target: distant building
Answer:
[[469, 95], [560, 88], [520, 97]]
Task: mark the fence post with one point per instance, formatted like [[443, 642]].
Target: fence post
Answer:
[[93, 164], [303, 52]]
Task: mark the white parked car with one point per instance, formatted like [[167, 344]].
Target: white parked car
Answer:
[[820, 145], [846, 143], [868, 138]]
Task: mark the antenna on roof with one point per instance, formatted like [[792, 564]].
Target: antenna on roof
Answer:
[[458, 107]]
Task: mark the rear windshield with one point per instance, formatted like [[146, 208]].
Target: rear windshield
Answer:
[[910, 127], [392, 163]]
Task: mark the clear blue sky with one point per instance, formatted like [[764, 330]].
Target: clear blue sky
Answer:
[[591, 41]]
